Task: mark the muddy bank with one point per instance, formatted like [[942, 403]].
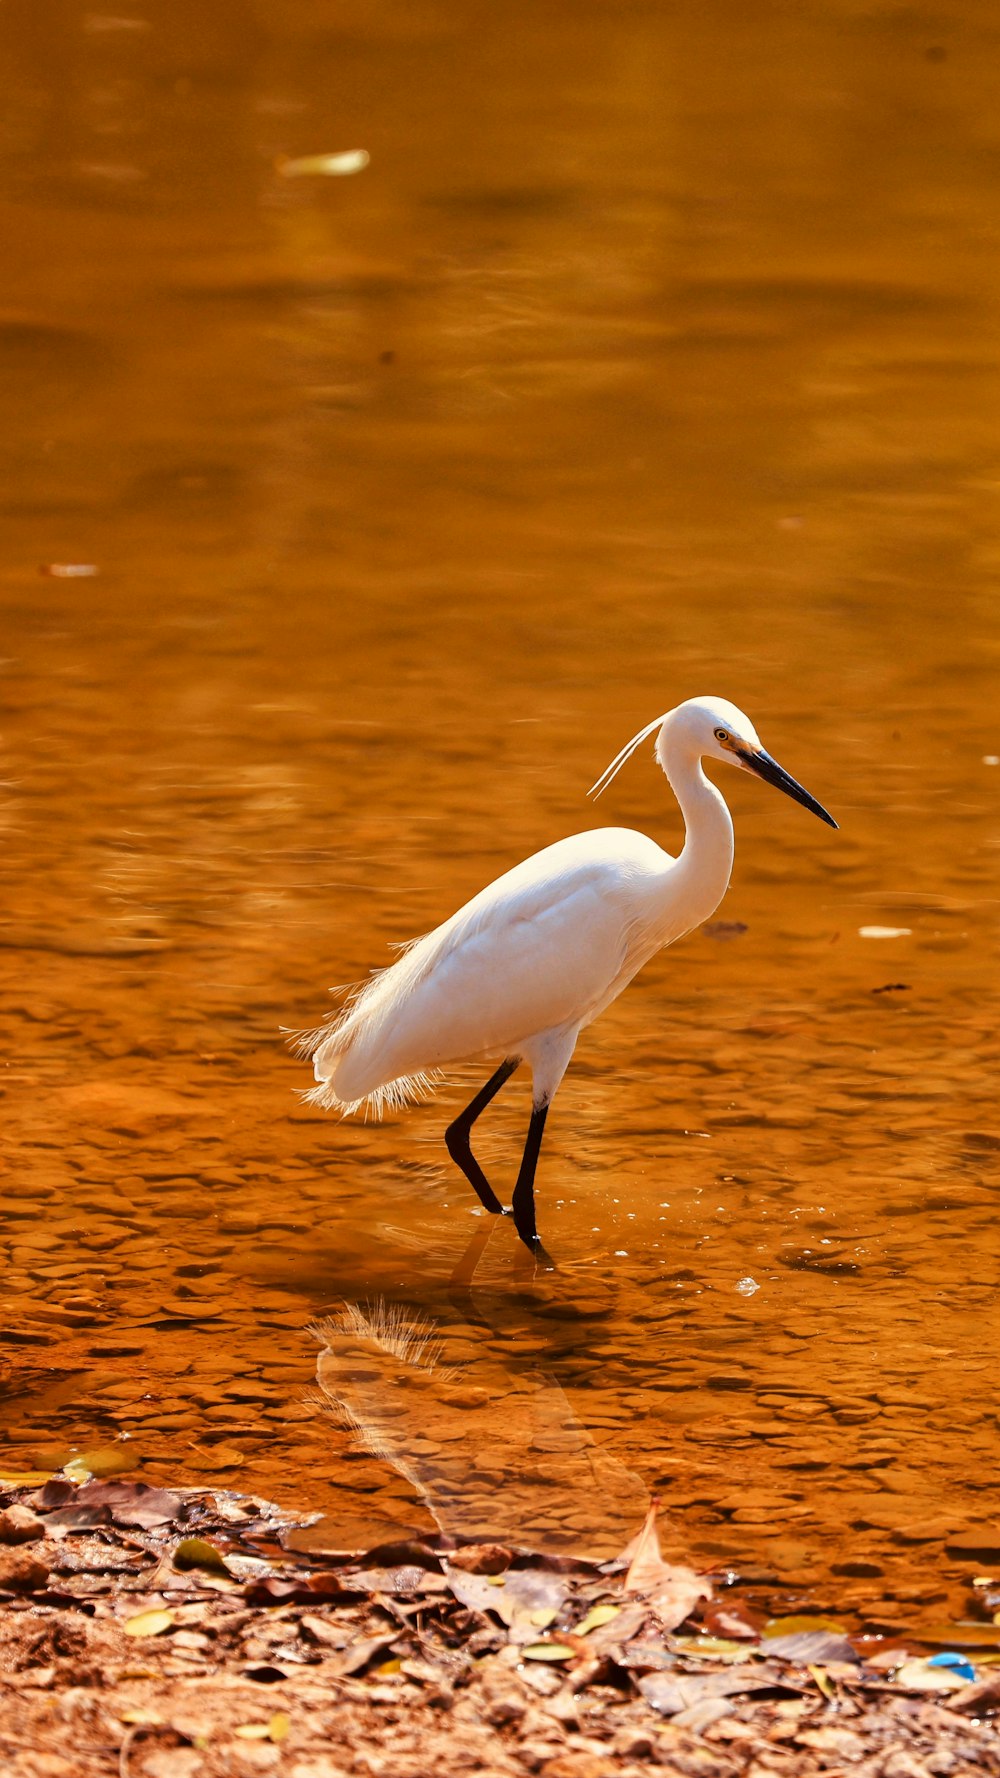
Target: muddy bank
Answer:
[[191, 1634]]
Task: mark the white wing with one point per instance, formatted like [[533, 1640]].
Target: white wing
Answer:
[[545, 946]]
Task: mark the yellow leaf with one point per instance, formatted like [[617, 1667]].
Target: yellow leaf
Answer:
[[388, 1668], [824, 1682], [275, 1730], [148, 1623], [547, 1651], [197, 1552], [106, 1460], [596, 1616], [25, 1478], [496, 1580], [542, 1616], [148, 1717], [719, 1648], [799, 1623]]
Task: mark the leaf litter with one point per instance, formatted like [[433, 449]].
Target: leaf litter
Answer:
[[186, 1624]]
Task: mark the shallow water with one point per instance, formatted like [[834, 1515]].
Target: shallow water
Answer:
[[650, 355]]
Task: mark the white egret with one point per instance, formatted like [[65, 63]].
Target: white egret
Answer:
[[519, 971]]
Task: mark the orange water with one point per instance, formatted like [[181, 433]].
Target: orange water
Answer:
[[654, 352]]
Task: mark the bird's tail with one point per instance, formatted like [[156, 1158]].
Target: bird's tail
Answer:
[[346, 1079]]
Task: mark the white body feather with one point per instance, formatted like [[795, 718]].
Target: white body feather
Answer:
[[532, 959]]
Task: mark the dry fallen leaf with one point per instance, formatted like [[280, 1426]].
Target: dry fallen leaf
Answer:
[[671, 1591], [197, 1552], [148, 1623], [275, 1730], [596, 1617]]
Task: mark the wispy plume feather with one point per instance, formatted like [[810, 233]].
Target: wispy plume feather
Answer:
[[624, 756]]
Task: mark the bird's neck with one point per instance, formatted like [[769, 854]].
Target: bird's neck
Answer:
[[706, 861]]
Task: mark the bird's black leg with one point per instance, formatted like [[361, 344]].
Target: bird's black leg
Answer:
[[457, 1137], [523, 1204]]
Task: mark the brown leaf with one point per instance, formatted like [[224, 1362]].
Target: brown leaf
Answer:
[[406, 1553], [672, 1692], [362, 1652], [672, 1591], [101, 1503], [525, 1599], [481, 1558], [979, 1699], [396, 1580], [731, 1621], [299, 1589]]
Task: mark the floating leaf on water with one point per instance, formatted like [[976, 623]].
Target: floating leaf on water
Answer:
[[548, 1651], [148, 1623], [325, 166], [197, 1552], [597, 1616]]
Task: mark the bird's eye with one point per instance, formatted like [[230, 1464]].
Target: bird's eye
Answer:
[[722, 734]]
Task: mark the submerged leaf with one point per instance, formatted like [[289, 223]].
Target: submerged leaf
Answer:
[[107, 1460]]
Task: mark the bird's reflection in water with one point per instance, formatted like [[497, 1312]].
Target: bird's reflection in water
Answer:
[[494, 1449]]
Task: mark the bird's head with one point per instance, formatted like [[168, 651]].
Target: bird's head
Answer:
[[712, 728]]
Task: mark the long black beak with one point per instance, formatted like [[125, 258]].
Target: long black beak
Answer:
[[767, 768]]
